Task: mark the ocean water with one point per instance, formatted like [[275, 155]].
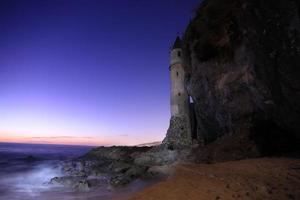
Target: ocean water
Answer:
[[21, 178]]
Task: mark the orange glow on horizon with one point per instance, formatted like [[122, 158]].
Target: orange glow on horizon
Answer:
[[63, 141], [66, 140]]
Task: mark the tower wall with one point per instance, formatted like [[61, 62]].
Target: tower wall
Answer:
[[179, 96]]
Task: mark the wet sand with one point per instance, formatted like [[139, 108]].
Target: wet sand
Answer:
[[259, 179]]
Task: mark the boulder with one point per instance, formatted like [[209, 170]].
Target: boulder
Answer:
[[159, 155], [131, 174], [76, 182], [30, 158]]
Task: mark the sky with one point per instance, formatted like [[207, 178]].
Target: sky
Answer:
[[88, 72]]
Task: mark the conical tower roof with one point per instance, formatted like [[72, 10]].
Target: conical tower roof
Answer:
[[177, 44]]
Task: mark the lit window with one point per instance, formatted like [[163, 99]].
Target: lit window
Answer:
[[191, 100]]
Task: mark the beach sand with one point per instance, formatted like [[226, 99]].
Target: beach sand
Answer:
[[265, 178]]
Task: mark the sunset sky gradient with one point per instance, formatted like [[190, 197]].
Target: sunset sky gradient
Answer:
[[87, 72]]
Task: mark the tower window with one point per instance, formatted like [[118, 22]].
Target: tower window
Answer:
[[179, 94], [176, 73], [178, 53], [191, 99]]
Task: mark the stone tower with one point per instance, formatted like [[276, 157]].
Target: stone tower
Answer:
[[179, 96], [179, 132]]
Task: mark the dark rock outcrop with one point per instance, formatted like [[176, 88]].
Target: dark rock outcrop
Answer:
[[157, 156], [243, 62], [128, 175], [115, 166], [31, 158], [117, 163], [76, 182]]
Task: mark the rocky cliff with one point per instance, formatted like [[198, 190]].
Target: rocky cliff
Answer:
[[243, 62]]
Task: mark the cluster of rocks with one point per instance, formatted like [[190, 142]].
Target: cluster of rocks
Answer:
[[114, 166]]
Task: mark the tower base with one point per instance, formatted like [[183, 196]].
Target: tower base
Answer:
[[179, 133]]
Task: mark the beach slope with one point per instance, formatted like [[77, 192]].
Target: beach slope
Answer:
[[265, 178]]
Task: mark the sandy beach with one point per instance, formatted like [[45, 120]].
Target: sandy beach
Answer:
[[265, 178]]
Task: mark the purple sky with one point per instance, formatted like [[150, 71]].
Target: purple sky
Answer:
[[87, 71]]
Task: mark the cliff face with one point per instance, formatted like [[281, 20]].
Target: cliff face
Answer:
[[243, 60]]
